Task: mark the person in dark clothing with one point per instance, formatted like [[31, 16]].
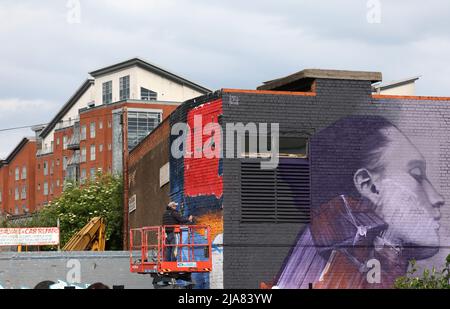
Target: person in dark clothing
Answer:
[[172, 217]]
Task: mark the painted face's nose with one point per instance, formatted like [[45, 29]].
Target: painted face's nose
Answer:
[[436, 200]]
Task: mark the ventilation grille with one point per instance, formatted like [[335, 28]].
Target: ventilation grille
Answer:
[[276, 196]]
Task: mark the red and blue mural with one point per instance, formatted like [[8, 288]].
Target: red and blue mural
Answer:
[[197, 182]]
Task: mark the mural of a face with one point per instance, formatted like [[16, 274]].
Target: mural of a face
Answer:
[[405, 198], [376, 186]]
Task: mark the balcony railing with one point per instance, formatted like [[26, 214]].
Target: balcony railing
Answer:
[[74, 141], [74, 159], [66, 123], [44, 151]]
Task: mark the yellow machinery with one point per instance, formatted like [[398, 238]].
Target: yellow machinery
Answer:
[[90, 238]]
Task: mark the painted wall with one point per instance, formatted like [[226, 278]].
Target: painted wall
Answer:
[[69, 118], [196, 182], [403, 209], [25, 270], [167, 90]]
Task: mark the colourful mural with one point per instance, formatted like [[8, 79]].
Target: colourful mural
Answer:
[[199, 185], [373, 209]]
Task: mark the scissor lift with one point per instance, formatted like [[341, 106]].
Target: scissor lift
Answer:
[[148, 249]]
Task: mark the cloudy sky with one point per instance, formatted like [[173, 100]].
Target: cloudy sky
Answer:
[[45, 53]]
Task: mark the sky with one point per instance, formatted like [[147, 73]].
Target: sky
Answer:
[[47, 47]]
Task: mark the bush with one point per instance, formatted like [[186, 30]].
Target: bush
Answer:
[[430, 279], [79, 204]]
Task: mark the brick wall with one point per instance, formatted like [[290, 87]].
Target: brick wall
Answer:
[[255, 253]]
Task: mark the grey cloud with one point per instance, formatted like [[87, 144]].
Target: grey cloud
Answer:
[[218, 44]]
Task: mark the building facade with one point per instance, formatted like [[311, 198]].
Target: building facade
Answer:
[[96, 128], [17, 172], [358, 191]]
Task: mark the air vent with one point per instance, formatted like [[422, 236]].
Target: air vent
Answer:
[[276, 196]]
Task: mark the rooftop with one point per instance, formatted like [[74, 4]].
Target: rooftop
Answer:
[[302, 80]]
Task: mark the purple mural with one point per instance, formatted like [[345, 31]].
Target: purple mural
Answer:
[[373, 209]]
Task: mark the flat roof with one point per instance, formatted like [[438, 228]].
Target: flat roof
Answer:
[[311, 74]]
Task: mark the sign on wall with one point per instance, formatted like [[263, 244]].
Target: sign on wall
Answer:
[[164, 175], [40, 236], [132, 204]]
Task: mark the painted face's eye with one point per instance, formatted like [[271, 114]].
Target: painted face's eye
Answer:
[[417, 173]]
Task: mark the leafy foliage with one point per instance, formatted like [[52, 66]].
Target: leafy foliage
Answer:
[[430, 279], [79, 204]]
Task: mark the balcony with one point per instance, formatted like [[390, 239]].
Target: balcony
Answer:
[[63, 124], [44, 151], [74, 160], [74, 141]]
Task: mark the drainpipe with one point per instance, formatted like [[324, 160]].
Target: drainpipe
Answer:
[[125, 176]]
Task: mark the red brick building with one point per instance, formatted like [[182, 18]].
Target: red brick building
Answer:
[[17, 173], [100, 123]]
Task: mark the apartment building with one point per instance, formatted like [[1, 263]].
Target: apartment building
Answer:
[[17, 173], [107, 116]]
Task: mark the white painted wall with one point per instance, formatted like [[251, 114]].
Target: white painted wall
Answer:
[[407, 90], [72, 114], [167, 90], [115, 78]]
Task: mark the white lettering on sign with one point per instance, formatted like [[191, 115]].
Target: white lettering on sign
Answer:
[[39, 236]]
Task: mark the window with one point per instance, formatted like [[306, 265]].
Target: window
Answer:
[[109, 123], [52, 167], [64, 163], [65, 141], [83, 132], [83, 154], [57, 183], [45, 168], [92, 130], [45, 188], [276, 196], [100, 148], [124, 87], [17, 173], [289, 146], [24, 193], [83, 175], [148, 95], [51, 187], [109, 147], [57, 162], [140, 124], [57, 141], [16, 210], [100, 125], [39, 187], [16, 194], [92, 173], [1, 199], [107, 92], [24, 172], [92, 152]]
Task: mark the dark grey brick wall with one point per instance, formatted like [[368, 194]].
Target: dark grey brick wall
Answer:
[[254, 253]]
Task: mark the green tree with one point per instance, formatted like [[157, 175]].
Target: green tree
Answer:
[[77, 205], [430, 279]]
